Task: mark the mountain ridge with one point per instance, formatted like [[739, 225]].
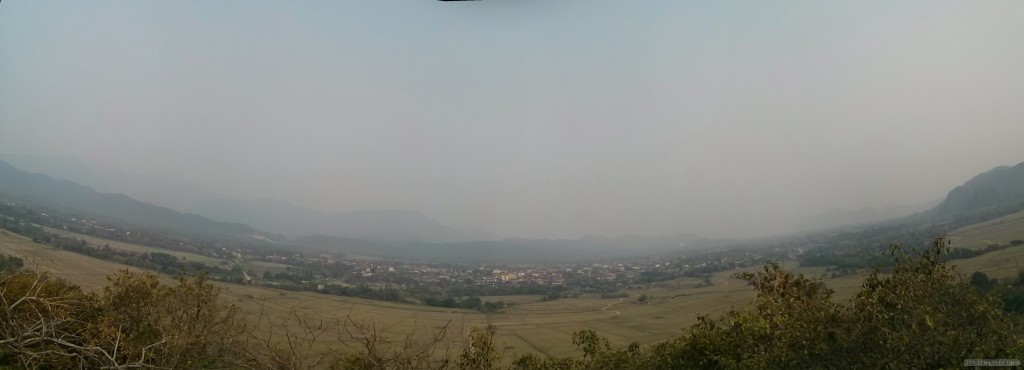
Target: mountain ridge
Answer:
[[276, 216]]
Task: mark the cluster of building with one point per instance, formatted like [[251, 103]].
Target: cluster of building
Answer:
[[375, 271]]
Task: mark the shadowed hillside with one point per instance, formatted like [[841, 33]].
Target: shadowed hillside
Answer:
[[1002, 186]]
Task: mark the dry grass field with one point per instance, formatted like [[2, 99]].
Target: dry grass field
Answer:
[[1000, 264], [209, 261], [89, 273], [547, 327], [1001, 230], [528, 325]]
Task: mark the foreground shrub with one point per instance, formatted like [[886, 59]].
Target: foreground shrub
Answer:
[[134, 322], [922, 315]]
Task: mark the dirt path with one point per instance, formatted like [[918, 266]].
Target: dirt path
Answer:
[[614, 313]]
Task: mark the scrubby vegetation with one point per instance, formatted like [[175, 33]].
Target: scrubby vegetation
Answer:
[[922, 313], [10, 263], [134, 322]]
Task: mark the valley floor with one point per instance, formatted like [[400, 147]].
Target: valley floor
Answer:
[[530, 325]]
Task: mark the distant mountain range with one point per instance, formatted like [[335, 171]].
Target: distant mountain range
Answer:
[[993, 193], [410, 235], [390, 226], [63, 195], [403, 235], [1002, 186], [846, 217], [383, 234]]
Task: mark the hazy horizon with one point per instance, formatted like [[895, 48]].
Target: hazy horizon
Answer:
[[528, 118]]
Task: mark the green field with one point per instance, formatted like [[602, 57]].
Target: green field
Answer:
[[529, 325]]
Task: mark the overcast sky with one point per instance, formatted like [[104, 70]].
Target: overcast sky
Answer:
[[530, 118]]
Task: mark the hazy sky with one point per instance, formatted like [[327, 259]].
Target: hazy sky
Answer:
[[534, 118]]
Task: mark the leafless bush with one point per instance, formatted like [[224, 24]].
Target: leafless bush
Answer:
[[368, 348], [42, 325], [137, 322]]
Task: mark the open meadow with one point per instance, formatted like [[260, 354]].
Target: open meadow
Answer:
[[1001, 230], [89, 273]]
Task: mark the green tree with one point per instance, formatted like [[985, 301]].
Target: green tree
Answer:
[[981, 282]]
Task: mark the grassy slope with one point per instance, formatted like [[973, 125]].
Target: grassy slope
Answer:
[[1001, 230], [206, 260], [89, 273], [1001, 264]]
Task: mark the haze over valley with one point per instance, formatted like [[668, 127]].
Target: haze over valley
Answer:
[[557, 185], [724, 123]]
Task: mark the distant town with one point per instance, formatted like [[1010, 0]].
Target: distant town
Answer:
[[374, 278]]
